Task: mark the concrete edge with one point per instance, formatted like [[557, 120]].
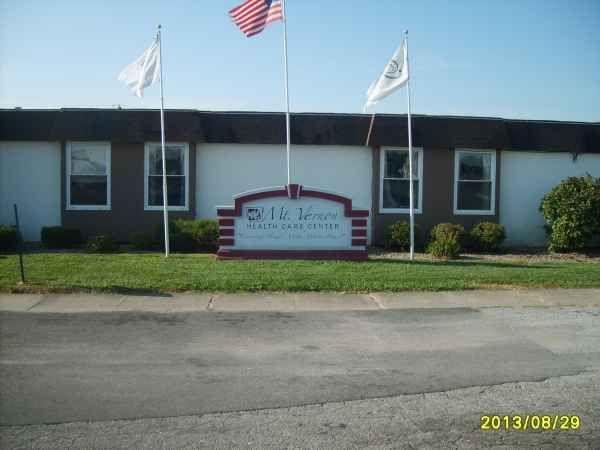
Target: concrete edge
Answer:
[[296, 302]]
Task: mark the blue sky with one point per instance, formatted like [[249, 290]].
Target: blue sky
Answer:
[[512, 58]]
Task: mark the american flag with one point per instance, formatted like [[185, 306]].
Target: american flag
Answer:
[[253, 16]]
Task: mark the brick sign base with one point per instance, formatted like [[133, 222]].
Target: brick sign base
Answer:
[[292, 222]]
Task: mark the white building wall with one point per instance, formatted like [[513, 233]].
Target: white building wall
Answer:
[[224, 170], [525, 178], [30, 177]]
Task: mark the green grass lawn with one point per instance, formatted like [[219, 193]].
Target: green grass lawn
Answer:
[[139, 272]]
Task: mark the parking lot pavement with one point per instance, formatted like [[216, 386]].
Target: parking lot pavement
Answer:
[[254, 374], [438, 420]]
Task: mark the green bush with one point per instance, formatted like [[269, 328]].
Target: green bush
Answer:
[[443, 230], [188, 235], [102, 244], [181, 236], [397, 236], [567, 235], [447, 240], [8, 238], [143, 241], [487, 236], [204, 233], [207, 237], [61, 237], [444, 247], [572, 213]]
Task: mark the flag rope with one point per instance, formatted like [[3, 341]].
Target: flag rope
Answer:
[[370, 130]]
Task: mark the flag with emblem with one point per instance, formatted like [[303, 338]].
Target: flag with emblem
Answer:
[[394, 76], [253, 16]]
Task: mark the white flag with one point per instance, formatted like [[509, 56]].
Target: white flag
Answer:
[[144, 71], [394, 75]]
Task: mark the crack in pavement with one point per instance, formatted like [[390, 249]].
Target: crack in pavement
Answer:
[[377, 301], [41, 300], [210, 305]]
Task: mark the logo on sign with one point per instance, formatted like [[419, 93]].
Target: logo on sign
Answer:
[[255, 214]]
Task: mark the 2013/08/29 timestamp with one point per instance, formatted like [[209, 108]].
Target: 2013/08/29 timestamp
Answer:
[[524, 422]]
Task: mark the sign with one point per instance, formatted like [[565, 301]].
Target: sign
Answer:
[[292, 222]]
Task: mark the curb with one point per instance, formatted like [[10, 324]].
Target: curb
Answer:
[[297, 302]]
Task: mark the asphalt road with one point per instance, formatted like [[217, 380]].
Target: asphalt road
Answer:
[[60, 368], [439, 420]]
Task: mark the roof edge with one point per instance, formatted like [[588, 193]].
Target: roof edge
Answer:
[[302, 113]]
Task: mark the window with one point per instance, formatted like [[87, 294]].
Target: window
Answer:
[[394, 188], [176, 156], [88, 175], [474, 182]]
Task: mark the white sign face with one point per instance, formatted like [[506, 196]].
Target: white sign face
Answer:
[[285, 224]]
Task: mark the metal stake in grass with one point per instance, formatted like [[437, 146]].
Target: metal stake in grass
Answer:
[[19, 243]]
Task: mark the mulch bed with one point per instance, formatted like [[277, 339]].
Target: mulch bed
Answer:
[[520, 255]]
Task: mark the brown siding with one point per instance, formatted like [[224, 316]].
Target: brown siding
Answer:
[[438, 195], [127, 213]]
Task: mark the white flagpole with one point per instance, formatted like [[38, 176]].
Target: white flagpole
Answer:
[[410, 160], [162, 139], [287, 94]]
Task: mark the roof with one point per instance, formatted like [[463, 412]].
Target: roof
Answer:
[[135, 125]]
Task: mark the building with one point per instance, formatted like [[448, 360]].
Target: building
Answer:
[[99, 169]]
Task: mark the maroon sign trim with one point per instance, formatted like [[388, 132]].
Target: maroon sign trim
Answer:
[[352, 255], [293, 191], [227, 217]]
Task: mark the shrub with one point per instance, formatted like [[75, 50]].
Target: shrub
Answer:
[[8, 238], [203, 233], [572, 213], [443, 230], [207, 237], [181, 236], [446, 240], [188, 235], [143, 241], [567, 235], [445, 247], [487, 236], [397, 236], [61, 237], [102, 244]]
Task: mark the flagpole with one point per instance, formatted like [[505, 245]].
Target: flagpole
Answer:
[[410, 160], [162, 140], [287, 94]]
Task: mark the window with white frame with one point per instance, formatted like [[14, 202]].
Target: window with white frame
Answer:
[[88, 175], [177, 157], [394, 188], [474, 182]]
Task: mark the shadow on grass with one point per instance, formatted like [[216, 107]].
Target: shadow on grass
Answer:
[[459, 263], [37, 287], [142, 292], [116, 289]]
